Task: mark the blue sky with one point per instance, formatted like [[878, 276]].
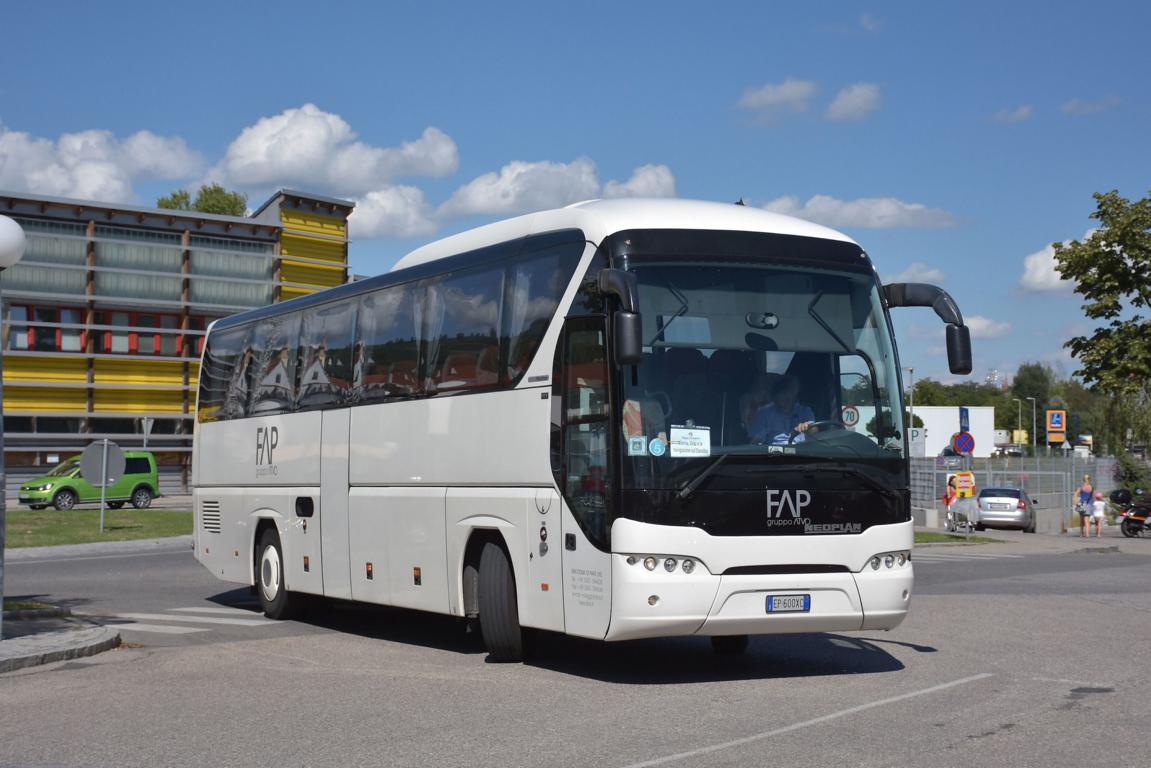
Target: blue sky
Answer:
[[952, 143]]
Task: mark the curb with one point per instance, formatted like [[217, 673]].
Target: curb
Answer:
[[61, 645], [131, 546]]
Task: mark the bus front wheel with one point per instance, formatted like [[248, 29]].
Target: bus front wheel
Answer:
[[276, 600], [499, 613]]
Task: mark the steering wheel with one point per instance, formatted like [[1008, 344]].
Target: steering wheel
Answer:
[[818, 426]]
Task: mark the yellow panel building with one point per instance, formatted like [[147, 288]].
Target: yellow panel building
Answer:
[[104, 318]]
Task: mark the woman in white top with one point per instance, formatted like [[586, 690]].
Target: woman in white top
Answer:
[[1098, 510]]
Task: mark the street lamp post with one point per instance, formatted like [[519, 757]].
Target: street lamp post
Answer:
[[12, 244], [1018, 419], [1034, 430]]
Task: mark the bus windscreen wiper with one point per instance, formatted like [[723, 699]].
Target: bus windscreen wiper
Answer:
[[689, 488]]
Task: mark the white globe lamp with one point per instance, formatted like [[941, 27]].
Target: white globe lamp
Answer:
[[12, 242]]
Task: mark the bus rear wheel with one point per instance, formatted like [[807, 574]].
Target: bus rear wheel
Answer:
[[499, 612], [276, 600]]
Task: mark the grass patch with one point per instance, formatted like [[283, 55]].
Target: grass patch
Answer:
[[49, 527], [24, 605], [930, 537]]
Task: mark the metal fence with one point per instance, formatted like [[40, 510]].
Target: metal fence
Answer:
[[1051, 481]]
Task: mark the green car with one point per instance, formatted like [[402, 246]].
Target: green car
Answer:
[[64, 487]]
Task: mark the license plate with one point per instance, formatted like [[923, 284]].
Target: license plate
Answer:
[[1001, 506], [789, 603]]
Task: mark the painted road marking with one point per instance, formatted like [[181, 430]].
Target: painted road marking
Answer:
[[136, 626], [221, 609], [194, 619], [808, 723]]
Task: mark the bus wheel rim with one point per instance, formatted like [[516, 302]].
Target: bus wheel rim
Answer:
[[270, 573]]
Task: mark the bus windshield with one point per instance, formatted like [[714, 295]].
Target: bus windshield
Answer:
[[749, 365]]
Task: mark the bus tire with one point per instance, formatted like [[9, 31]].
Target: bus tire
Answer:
[[275, 599], [729, 645], [499, 612]]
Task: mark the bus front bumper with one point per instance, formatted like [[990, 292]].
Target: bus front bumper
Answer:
[[660, 603]]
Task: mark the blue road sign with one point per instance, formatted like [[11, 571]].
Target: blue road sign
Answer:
[[964, 419]]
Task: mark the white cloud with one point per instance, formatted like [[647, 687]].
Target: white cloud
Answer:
[[791, 95], [397, 211], [854, 102], [917, 272], [863, 212], [986, 328], [91, 164], [1039, 272], [521, 187], [1090, 106], [311, 148], [1020, 114], [647, 181]]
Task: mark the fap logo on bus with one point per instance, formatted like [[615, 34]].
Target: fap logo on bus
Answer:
[[267, 438]]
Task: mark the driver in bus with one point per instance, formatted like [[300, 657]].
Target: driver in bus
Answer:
[[775, 422]]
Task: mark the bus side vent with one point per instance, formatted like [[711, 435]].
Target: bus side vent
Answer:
[[210, 516]]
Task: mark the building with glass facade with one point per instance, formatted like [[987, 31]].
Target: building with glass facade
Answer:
[[104, 318]]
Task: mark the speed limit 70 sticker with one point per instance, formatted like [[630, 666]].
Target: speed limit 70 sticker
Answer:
[[850, 416]]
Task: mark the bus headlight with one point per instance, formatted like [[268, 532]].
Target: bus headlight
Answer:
[[649, 562], [688, 565], [889, 560]]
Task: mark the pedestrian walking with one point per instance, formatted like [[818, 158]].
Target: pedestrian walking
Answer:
[[1083, 503], [950, 494], [1098, 513]]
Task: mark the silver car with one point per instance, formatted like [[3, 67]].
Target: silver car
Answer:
[[1005, 508]]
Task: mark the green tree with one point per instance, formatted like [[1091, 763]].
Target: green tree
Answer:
[[1111, 269], [212, 198], [1034, 380]]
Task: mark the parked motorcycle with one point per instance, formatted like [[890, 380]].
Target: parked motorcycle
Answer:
[[1134, 510]]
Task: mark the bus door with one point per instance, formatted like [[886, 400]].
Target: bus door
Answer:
[[581, 460]]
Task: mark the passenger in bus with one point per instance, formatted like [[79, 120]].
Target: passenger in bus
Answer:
[[776, 421]]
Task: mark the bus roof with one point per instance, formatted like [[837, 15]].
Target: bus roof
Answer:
[[599, 218], [593, 219]]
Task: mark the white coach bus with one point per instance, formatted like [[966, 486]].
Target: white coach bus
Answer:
[[571, 421]]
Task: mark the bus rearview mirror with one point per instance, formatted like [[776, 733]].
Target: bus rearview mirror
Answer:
[[623, 285], [628, 341], [959, 349]]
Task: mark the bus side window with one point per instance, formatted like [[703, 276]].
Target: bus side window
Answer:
[[388, 342], [462, 324], [534, 288], [224, 377], [328, 365], [272, 369], [584, 429]]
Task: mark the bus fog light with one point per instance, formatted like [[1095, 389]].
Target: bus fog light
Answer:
[[688, 566], [631, 560], [653, 600], [901, 559], [669, 564], [875, 563], [649, 563], [889, 561]]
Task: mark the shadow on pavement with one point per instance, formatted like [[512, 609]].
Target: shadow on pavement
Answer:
[[636, 662]]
